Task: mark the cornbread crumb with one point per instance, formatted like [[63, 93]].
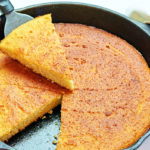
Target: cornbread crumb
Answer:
[[50, 112], [55, 137], [54, 142], [44, 117], [56, 123]]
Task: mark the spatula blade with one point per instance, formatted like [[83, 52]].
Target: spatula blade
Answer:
[[13, 20], [3, 146]]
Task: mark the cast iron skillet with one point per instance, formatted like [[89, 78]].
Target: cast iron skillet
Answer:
[[40, 134]]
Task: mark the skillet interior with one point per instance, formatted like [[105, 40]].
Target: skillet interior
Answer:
[[39, 135]]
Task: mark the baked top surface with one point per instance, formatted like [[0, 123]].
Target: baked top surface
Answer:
[[109, 108]]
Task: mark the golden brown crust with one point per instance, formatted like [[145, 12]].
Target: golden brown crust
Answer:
[[109, 109]]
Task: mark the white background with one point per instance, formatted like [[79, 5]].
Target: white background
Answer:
[[122, 6]]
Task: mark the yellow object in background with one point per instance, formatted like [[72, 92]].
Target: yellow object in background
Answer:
[[140, 16]]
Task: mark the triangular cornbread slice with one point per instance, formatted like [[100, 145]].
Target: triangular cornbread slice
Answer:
[[110, 107], [36, 45], [24, 96]]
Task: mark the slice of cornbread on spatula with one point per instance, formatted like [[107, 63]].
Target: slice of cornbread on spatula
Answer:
[[36, 45]]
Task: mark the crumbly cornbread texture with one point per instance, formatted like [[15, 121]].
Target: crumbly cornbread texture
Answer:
[[36, 45], [24, 97], [110, 106]]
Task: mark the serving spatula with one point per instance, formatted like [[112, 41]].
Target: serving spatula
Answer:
[[3, 146], [13, 19]]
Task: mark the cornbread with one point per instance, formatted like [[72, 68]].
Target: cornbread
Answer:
[[110, 107], [24, 97], [36, 45]]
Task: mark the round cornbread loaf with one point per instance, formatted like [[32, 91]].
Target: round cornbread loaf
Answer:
[[110, 106]]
